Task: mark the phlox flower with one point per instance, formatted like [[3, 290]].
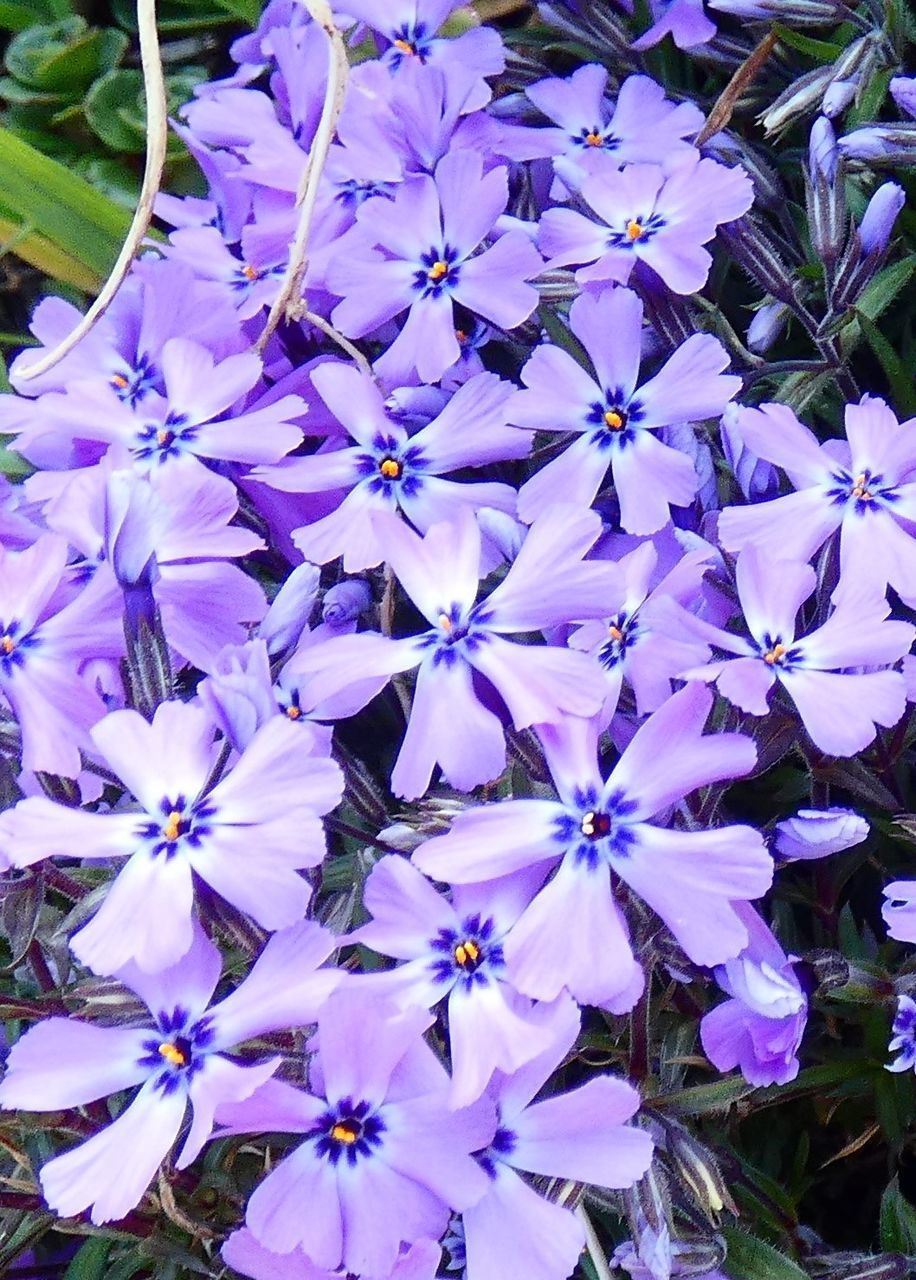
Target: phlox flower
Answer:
[[899, 910], [574, 933], [549, 583], [684, 20], [387, 469], [615, 416], [817, 833], [50, 628], [417, 252], [187, 422], [867, 492], [383, 1159], [582, 1135], [453, 951], [590, 131], [246, 837], [171, 527], [244, 1254], [633, 645], [647, 216], [840, 708], [178, 1058], [760, 1027], [409, 28], [903, 1042]]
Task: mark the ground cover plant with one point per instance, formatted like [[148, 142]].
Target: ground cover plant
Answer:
[[456, 608]]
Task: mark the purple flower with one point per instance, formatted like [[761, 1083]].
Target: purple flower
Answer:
[[877, 223], [548, 584], [388, 469], [863, 490], [582, 1135], [756, 478], [410, 26], [614, 416], [50, 627], [244, 1254], [178, 1058], [899, 911], [416, 252], [186, 423], [903, 1042], [658, 1257], [759, 1029], [453, 951], [246, 838], [684, 20], [630, 645], [574, 933], [170, 527], [641, 126], [646, 216], [839, 707], [816, 833], [383, 1159]]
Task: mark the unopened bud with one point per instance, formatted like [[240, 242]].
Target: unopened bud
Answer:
[[802, 96], [345, 602], [753, 249], [697, 1169], [878, 220], [881, 144], [903, 91], [822, 150], [858, 1266], [838, 97], [765, 328]]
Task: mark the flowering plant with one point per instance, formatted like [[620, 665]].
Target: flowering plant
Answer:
[[455, 665]]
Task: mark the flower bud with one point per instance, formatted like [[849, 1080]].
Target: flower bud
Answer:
[[879, 218], [838, 97], [880, 144], [765, 328], [698, 1170], [903, 91], [822, 149], [345, 602], [753, 249], [801, 96], [289, 612], [816, 833], [756, 478]]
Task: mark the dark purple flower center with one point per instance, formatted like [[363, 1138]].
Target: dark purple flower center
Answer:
[[614, 419], [776, 653], [865, 490], [438, 272], [176, 1050], [596, 139], [598, 829], [180, 823], [503, 1144], [622, 633], [162, 440], [133, 384], [14, 644], [638, 229], [350, 1131], [410, 41], [467, 953]]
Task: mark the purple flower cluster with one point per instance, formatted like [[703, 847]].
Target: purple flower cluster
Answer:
[[223, 558]]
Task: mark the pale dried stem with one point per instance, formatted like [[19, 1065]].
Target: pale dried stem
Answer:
[[344, 343], [157, 133], [289, 304], [593, 1244]]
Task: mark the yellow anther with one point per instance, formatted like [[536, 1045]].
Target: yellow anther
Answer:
[[438, 271], [173, 1054], [774, 655], [165, 437], [7, 644], [615, 633], [172, 828], [594, 139], [595, 825], [461, 336], [405, 47], [861, 489], [445, 622], [293, 712], [613, 419], [119, 381], [634, 229], [345, 1131], [467, 952], [251, 273], [390, 468]]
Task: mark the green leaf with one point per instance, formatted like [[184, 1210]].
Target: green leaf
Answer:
[[15, 16], [871, 100], [821, 50], [64, 57], [40, 252], [116, 110], [91, 1262], [752, 1259], [885, 287], [898, 1220], [247, 11], [898, 376], [52, 202]]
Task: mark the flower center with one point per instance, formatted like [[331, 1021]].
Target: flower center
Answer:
[[861, 490], [7, 644], [594, 139], [406, 47], [775, 655], [250, 272], [176, 1052], [165, 438], [347, 1131], [390, 468], [174, 826], [595, 825], [635, 229], [615, 633], [615, 419], [468, 955], [438, 271], [120, 382]]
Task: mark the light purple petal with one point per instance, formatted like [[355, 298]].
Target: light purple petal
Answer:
[[594, 318], [61, 1063], [515, 1231], [540, 683], [577, 474], [841, 712], [648, 476], [275, 1214], [187, 985], [492, 841], [493, 284], [170, 757], [406, 910], [690, 385]]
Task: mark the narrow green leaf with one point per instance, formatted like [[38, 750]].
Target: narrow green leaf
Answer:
[[60, 206], [898, 1220], [899, 378], [752, 1259], [885, 287], [820, 50], [15, 16], [91, 1262], [39, 252], [872, 99], [248, 11]]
